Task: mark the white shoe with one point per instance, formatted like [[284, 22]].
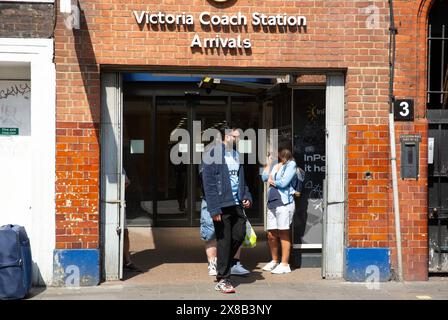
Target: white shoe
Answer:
[[270, 266], [281, 268], [239, 270], [212, 268]]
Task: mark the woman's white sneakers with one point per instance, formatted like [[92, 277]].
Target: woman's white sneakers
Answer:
[[281, 268], [270, 266], [277, 268], [273, 267]]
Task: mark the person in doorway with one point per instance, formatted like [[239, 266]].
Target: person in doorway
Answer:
[[128, 265], [226, 196], [281, 208], [207, 231], [181, 185]]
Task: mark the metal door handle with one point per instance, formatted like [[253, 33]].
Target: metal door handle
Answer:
[[122, 202], [113, 201]]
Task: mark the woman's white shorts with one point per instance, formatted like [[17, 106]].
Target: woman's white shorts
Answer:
[[281, 219]]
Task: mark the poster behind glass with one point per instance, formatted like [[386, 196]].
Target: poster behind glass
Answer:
[[309, 153]]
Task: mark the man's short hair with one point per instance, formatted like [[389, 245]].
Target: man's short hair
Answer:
[[227, 128]]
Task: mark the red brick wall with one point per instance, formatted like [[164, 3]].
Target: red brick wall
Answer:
[[411, 20], [337, 36], [370, 215], [26, 20]]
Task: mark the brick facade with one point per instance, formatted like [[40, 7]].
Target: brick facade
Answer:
[[338, 36], [26, 20]]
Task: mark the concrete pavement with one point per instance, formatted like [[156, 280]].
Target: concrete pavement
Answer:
[[175, 268], [253, 288]]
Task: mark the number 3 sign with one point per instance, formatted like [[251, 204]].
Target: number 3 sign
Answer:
[[404, 110]]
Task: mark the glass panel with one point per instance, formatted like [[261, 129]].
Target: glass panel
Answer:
[[245, 115], [443, 150], [172, 180], [309, 152], [210, 113], [282, 118], [137, 159]]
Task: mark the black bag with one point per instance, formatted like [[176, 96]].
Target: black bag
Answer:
[[15, 262]]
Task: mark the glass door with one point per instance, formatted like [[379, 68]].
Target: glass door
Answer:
[[172, 192], [138, 118], [164, 192], [208, 113], [245, 114]]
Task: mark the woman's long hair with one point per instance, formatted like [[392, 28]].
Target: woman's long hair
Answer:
[[285, 155]]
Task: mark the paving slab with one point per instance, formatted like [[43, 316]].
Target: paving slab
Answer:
[[175, 268]]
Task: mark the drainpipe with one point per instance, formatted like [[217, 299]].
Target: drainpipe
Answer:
[[392, 47]]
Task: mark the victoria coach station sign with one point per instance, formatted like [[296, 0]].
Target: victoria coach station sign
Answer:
[[238, 21]]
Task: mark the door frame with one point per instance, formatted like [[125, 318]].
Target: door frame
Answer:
[[333, 243], [112, 204]]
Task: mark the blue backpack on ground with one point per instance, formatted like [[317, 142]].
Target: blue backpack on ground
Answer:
[[15, 262]]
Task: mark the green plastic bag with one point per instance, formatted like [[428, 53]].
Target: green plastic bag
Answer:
[[250, 240]]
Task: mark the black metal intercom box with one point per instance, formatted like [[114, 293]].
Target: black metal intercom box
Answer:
[[410, 144]]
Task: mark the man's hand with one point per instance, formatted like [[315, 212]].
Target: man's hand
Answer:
[[246, 204], [217, 218]]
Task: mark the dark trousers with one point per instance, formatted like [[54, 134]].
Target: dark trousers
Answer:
[[230, 233]]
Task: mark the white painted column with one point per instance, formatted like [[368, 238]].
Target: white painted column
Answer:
[[112, 179], [333, 248]]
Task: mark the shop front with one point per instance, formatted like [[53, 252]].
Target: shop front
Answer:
[[134, 75], [146, 140]]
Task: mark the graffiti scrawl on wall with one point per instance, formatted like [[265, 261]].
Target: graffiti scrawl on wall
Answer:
[[15, 107]]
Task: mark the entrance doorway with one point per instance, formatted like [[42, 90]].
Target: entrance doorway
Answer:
[[139, 118]]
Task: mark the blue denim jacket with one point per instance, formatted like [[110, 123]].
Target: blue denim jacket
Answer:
[[283, 180], [216, 182]]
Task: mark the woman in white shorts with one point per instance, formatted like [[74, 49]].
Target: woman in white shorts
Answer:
[[281, 207]]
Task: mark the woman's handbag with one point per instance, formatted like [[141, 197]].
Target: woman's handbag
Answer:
[[250, 240]]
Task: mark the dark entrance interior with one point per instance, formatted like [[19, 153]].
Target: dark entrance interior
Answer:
[[155, 109], [158, 108]]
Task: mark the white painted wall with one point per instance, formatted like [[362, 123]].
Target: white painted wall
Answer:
[[27, 163]]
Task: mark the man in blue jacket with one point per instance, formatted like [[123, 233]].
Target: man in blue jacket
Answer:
[[227, 195]]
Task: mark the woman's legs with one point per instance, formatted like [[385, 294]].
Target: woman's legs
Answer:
[[285, 240], [273, 244]]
